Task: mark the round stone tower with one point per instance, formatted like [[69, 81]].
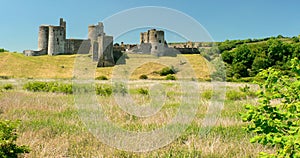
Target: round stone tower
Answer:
[[51, 40], [95, 30], [43, 38], [92, 33], [152, 36], [157, 40]]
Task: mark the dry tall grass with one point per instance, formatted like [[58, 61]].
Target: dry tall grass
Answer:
[[52, 128], [62, 66]]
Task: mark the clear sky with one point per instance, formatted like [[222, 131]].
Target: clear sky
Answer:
[[223, 19]]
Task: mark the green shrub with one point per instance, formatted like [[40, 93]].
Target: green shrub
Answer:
[[207, 94], [103, 90], [143, 77], [277, 124], [170, 77], [143, 91], [247, 91], [55, 87], [5, 77], [7, 86], [167, 70], [101, 78], [8, 137], [235, 95], [3, 50]]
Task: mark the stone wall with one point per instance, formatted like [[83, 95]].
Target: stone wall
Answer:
[[105, 51], [72, 46]]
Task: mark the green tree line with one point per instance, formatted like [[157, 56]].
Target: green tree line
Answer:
[[244, 59]]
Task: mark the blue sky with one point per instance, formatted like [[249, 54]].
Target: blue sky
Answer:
[[223, 19]]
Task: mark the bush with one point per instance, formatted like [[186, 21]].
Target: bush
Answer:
[[143, 77], [103, 90], [277, 124], [143, 91], [8, 137], [38, 86], [3, 50], [7, 87], [5, 77], [207, 94], [167, 70], [101, 78], [235, 95], [170, 77]]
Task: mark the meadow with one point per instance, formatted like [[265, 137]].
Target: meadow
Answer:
[[51, 126]]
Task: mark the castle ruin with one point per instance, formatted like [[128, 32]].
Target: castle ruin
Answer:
[[153, 41], [52, 41]]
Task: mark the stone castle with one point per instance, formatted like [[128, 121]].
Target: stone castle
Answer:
[[153, 42], [52, 41]]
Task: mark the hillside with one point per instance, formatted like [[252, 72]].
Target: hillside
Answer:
[[15, 65]]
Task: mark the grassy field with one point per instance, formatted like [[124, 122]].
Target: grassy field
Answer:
[[61, 67], [52, 127]]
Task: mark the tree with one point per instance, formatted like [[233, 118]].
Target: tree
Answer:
[[277, 124], [8, 137], [227, 57]]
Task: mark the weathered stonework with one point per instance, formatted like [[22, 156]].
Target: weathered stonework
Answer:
[[52, 41], [153, 42]]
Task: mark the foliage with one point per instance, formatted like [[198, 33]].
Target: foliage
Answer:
[[235, 95], [143, 91], [275, 120], [8, 137], [38, 86], [220, 70], [101, 78], [143, 77], [167, 70], [207, 94], [3, 50], [5, 77], [247, 60], [7, 87], [103, 90], [170, 77]]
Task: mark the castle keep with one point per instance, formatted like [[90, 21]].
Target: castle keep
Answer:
[[153, 41], [52, 41]]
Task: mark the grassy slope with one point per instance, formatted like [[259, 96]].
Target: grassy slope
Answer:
[[20, 66]]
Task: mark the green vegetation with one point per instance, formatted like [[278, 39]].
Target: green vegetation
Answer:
[[232, 94], [103, 90], [101, 78], [7, 87], [56, 87], [8, 138], [247, 58], [275, 120], [167, 70], [170, 77], [143, 91], [3, 50], [143, 77]]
